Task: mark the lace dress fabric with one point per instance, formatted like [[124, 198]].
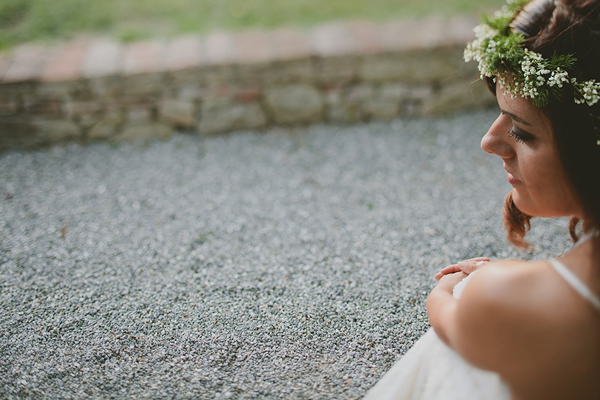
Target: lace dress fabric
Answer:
[[430, 370]]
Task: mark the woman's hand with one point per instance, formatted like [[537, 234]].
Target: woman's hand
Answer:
[[448, 281], [466, 266]]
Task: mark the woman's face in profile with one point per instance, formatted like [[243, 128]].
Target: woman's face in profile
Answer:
[[522, 137]]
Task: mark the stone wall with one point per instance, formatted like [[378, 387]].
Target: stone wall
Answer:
[[97, 89]]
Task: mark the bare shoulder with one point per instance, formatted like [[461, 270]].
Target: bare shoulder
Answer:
[[516, 287], [506, 312], [522, 289]]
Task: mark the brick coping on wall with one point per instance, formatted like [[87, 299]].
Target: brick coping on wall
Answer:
[[97, 89]]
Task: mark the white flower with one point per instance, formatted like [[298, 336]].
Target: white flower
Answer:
[[498, 51], [588, 91]]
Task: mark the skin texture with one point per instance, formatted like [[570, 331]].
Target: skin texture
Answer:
[[521, 319], [522, 137]]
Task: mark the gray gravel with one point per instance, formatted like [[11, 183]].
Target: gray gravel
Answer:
[[288, 264]]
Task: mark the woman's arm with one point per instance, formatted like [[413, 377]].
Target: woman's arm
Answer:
[[485, 324], [441, 306]]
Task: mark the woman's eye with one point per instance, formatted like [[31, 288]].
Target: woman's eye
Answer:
[[519, 136], [515, 136]]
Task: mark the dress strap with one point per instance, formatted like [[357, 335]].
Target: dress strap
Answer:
[[586, 236], [576, 283]]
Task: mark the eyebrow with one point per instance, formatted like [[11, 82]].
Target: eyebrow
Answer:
[[515, 118]]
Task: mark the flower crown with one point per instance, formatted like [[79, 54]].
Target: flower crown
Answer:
[[521, 72]]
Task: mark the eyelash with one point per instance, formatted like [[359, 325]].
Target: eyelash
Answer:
[[518, 138], [515, 136]]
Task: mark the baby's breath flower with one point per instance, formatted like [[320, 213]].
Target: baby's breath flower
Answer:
[[500, 55], [499, 52], [587, 92]]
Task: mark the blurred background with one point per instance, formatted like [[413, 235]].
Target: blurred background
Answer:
[[44, 20]]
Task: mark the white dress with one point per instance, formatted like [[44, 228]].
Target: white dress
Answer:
[[430, 370]]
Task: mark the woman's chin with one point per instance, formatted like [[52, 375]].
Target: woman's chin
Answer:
[[524, 206]]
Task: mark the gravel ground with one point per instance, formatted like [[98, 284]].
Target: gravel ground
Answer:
[[293, 263]]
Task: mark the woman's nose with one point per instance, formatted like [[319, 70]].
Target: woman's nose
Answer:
[[496, 139]]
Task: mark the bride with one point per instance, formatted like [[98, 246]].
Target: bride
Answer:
[[512, 329]]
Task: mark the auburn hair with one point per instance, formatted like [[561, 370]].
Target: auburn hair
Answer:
[[566, 27]]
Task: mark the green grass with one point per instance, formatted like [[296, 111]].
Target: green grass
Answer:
[[44, 20]]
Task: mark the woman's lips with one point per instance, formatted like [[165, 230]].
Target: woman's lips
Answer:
[[511, 179]]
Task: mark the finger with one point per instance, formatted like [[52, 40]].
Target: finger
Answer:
[[471, 266], [450, 269], [446, 271], [477, 259], [440, 275], [472, 262], [452, 279]]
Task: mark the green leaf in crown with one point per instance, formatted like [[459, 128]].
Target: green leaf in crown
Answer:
[[521, 72]]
